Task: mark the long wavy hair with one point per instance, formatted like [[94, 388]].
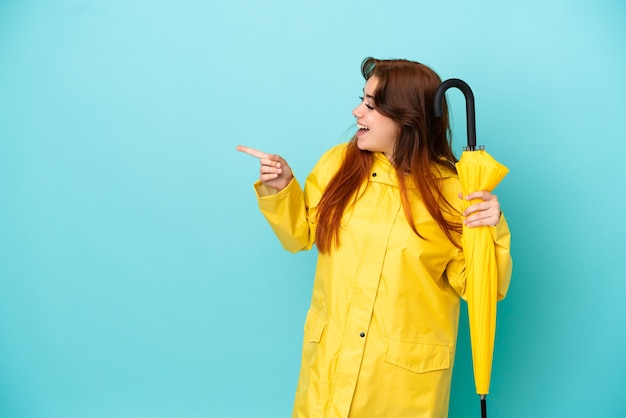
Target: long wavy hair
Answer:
[[405, 93]]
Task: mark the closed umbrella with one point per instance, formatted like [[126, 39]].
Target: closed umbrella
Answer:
[[477, 171]]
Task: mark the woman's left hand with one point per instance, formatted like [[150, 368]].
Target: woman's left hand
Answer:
[[485, 213]]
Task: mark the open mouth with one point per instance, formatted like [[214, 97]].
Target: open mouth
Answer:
[[362, 128]]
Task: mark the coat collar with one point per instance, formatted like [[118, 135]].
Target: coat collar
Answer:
[[382, 171]]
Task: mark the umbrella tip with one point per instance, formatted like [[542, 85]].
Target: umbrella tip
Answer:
[[483, 406]]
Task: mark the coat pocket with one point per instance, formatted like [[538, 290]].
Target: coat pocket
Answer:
[[419, 355], [313, 327]]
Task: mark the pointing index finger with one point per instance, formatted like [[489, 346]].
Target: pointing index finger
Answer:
[[251, 151]]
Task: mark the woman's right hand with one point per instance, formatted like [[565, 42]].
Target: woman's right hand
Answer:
[[275, 172]]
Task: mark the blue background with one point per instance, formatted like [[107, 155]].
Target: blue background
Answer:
[[137, 276]]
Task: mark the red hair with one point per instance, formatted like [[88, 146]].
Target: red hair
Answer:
[[405, 93]]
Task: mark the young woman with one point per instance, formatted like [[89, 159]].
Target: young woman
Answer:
[[385, 214]]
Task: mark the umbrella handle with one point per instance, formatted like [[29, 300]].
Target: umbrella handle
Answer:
[[469, 107]]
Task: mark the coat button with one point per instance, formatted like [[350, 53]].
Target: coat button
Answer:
[[373, 174], [362, 334]]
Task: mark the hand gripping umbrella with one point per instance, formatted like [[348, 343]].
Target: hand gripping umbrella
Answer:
[[477, 171]]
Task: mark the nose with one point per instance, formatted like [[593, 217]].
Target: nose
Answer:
[[357, 111]]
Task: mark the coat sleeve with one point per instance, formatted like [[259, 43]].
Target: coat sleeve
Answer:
[[456, 271], [287, 214], [292, 212]]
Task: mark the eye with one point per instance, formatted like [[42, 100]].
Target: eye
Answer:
[[370, 107]]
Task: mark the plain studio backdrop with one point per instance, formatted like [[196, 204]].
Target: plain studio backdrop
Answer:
[[137, 276]]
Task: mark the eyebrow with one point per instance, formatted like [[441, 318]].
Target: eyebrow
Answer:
[[368, 95]]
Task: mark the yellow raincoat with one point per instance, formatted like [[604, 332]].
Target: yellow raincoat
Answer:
[[380, 334]]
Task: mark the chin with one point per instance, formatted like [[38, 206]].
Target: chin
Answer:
[[361, 145]]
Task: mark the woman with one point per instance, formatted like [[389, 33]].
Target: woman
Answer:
[[385, 214]]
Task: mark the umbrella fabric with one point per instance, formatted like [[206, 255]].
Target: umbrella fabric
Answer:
[[480, 171]]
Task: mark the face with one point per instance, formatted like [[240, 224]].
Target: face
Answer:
[[377, 133]]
